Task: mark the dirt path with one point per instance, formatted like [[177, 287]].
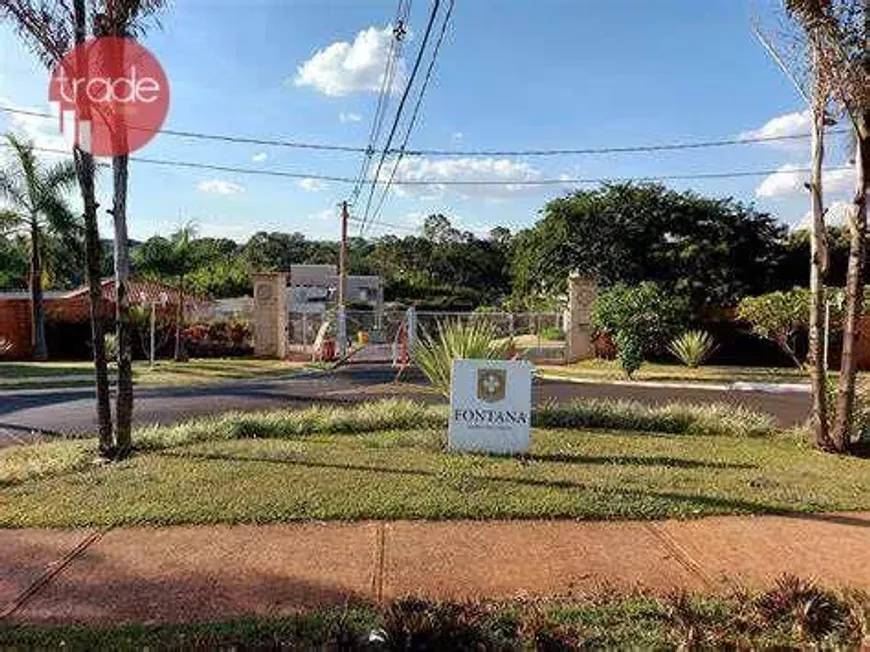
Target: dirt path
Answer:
[[199, 573]]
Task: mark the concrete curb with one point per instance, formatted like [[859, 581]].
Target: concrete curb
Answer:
[[771, 388]]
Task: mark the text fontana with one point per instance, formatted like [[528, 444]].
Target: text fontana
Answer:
[[495, 417]]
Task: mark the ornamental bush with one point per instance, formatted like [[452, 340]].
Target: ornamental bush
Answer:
[[640, 319]]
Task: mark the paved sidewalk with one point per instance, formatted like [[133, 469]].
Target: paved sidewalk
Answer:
[[214, 572]]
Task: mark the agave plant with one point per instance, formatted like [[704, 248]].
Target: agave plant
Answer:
[[454, 340], [693, 348], [6, 347]]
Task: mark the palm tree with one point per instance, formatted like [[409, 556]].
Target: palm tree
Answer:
[[174, 258], [125, 19], [34, 195]]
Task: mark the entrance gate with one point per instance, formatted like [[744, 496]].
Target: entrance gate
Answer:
[[388, 335]]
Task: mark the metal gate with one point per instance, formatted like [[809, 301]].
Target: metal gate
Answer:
[[375, 336], [388, 336]]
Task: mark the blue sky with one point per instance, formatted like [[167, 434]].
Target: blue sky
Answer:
[[512, 74]]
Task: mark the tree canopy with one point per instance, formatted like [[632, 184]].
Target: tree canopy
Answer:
[[712, 250]]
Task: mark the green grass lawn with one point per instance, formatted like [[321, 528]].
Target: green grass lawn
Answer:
[[18, 375], [596, 369], [362, 463], [790, 615]]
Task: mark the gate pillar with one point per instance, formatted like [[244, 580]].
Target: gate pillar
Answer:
[[270, 314], [582, 292]]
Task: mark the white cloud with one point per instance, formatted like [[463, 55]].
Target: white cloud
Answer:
[[790, 124], [311, 185], [259, 157], [456, 136], [220, 187], [467, 170], [43, 132], [835, 215], [343, 68], [344, 118], [789, 180], [326, 215]]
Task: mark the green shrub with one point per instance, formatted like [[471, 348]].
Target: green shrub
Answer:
[[629, 350], [20, 463], [778, 316], [111, 346], [552, 333], [389, 414], [640, 319], [456, 340], [675, 418], [693, 348]]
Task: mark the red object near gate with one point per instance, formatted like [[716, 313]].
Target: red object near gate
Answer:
[[328, 350]]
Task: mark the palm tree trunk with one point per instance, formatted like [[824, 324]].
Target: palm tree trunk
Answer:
[[854, 298], [37, 308], [818, 267], [179, 320], [93, 253], [124, 406]]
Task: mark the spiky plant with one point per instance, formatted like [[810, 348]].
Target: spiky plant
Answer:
[[693, 348], [456, 340]]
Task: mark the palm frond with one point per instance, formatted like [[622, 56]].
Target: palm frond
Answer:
[[44, 25], [130, 18], [10, 220], [60, 176]]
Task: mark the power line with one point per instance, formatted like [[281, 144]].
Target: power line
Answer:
[[628, 149], [218, 137], [400, 227], [386, 89], [415, 113], [195, 165], [435, 6]]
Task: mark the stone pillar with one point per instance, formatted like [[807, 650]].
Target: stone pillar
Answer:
[[582, 292], [270, 314]]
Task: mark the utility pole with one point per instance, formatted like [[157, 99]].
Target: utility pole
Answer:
[[341, 326], [342, 258]]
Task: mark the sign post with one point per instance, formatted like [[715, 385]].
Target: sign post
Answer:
[[490, 406]]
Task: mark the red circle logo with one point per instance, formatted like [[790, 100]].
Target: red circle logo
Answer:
[[111, 94]]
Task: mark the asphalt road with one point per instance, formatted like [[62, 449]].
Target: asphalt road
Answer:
[[71, 411]]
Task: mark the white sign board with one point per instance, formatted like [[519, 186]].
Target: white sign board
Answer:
[[490, 406]]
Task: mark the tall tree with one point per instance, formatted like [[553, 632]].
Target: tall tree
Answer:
[[46, 26], [799, 57], [122, 19], [715, 251], [840, 30], [35, 205]]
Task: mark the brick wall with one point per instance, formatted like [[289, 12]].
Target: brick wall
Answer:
[[15, 326], [15, 319]]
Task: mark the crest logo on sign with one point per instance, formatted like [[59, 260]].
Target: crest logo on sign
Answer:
[[491, 384]]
